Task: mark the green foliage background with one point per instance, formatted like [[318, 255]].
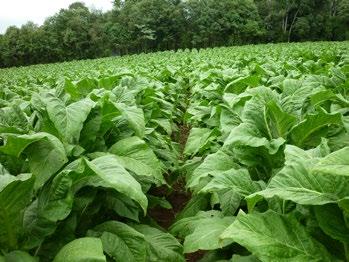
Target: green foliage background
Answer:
[[155, 25]]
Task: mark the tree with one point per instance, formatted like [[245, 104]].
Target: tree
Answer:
[[76, 33], [340, 19], [134, 26], [225, 22]]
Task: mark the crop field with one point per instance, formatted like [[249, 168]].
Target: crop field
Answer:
[[227, 154]]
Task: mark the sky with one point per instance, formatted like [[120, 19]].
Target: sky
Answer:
[[18, 12]]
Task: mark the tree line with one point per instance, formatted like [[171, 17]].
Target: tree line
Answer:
[[135, 26]]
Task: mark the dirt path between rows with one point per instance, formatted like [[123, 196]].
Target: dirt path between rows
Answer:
[[178, 196]]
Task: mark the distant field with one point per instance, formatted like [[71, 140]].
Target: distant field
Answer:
[[223, 154]]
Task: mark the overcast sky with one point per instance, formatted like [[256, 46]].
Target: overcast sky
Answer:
[[18, 12]]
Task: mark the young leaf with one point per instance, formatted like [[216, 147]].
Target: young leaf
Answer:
[[68, 120], [82, 249]]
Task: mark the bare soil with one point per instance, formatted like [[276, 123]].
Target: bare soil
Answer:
[[178, 196], [184, 131]]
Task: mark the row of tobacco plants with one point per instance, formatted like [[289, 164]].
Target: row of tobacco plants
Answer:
[[83, 146]]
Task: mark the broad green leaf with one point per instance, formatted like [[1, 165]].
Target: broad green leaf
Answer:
[[81, 249], [85, 86], [258, 139], [279, 123], [322, 150], [198, 235], [19, 256], [273, 237], [55, 202], [207, 237], [306, 133], [195, 204], [294, 95], [187, 225], [111, 174], [134, 117], [211, 256], [228, 120], [160, 246], [322, 96], [155, 201], [15, 195], [332, 222], [69, 88], [90, 139], [335, 164], [229, 201], [198, 139], [240, 84], [68, 120], [249, 136], [120, 241], [298, 183], [164, 123], [123, 206], [45, 153], [15, 144], [237, 102], [339, 141], [213, 165], [135, 155], [254, 112], [108, 82], [13, 120], [237, 180]]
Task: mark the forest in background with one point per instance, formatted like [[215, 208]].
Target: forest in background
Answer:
[[136, 26]]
